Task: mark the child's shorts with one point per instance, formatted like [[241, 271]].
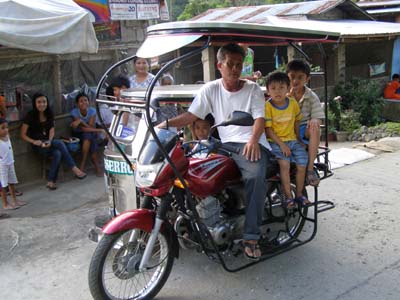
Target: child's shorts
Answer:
[[7, 175], [303, 138], [299, 154]]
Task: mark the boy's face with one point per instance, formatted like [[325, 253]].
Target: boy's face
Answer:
[[201, 129], [297, 79], [83, 103], [278, 90], [3, 130]]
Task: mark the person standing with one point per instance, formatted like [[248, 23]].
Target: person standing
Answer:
[[220, 98], [7, 171], [142, 77]]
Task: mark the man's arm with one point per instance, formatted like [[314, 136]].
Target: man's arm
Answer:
[[180, 121], [252, 150]]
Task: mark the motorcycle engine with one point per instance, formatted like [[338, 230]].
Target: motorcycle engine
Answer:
[[222, 227]]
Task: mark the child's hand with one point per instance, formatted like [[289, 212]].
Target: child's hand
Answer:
[[285, 150]]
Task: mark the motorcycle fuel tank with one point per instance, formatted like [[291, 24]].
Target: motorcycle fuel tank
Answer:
[[211, 175]]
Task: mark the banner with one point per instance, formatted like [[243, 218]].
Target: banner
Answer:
[[134, 9], [98, 9]]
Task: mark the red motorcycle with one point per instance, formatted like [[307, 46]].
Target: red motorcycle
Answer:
[[192, 203]]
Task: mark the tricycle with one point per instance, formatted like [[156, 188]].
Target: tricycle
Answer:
[[174, 199]]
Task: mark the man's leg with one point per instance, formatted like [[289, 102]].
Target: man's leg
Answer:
[[253, 175]]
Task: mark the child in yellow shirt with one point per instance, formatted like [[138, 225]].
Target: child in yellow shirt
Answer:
[[282, 119]]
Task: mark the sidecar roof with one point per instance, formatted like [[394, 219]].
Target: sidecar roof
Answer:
[[166, 37]]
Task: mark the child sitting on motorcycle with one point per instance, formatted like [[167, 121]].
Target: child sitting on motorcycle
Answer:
[[282, 119], [200, 130]]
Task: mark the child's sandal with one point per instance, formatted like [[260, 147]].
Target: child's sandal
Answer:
[[288, 203], [302, 200]]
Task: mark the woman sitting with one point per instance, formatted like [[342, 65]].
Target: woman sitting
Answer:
[[38, 129], [84, 128]]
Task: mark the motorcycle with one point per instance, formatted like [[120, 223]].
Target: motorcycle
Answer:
[[138, 249], [190, 202]]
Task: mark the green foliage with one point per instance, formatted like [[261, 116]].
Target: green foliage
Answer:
[[362, 96], [342, 119], [349, 121], [390, 127]]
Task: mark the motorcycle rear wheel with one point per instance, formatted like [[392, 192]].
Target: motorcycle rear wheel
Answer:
[[114, 269]]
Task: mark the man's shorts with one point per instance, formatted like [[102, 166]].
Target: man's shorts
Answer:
[[303, 129], [7, 175], [299, 155]]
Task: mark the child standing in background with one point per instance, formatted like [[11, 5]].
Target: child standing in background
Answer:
[[7, 170]]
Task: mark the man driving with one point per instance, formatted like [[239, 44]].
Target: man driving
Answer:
[[220, 98]]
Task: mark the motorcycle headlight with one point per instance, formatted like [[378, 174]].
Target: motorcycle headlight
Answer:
[[145, 175]]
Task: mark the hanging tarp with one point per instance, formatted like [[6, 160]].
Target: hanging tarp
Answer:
[[51, 26]]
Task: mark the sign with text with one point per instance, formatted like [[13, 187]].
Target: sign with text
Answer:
[[134, 9]]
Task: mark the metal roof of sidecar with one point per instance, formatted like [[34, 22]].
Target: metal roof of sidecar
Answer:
[[166, 37]]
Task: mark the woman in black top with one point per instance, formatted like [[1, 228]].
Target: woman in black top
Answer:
[[38, 129]]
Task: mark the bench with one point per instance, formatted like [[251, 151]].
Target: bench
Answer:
[[391, 110]]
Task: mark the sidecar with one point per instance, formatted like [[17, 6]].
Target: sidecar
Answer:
[[181, 42]]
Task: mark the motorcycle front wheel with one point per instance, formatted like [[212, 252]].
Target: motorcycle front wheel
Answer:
[[114, 269]]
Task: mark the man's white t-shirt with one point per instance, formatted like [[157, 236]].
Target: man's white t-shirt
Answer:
[[6, 153], [215, 99]]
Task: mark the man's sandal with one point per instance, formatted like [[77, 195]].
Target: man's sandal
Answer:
[[254, 249], [312, 178]]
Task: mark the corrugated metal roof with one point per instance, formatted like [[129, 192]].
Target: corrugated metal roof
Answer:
[[247, 13], [377, 3], [295, 15], [392, 10], [347, 28]]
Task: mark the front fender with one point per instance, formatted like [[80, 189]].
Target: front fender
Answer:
[[142, 219], [138, 218]]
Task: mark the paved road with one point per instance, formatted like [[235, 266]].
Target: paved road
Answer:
[[354, 256]]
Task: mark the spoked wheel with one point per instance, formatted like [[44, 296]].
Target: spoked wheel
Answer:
[[114, 270], [278, 231]]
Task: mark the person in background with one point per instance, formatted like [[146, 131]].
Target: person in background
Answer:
[[142, 77], [282, 119], [220, 98], [3, 108], [299, 74], [248, 65], [392, 89], [83, 127], [166, 79], [118, 83], [38, 130], [7, 171], [3, 114]]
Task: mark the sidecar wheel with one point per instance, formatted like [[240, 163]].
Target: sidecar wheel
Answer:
[[114, 269], [278, 230]]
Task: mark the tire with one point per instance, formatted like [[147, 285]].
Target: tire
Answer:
[[296, 222], [113, 270]]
